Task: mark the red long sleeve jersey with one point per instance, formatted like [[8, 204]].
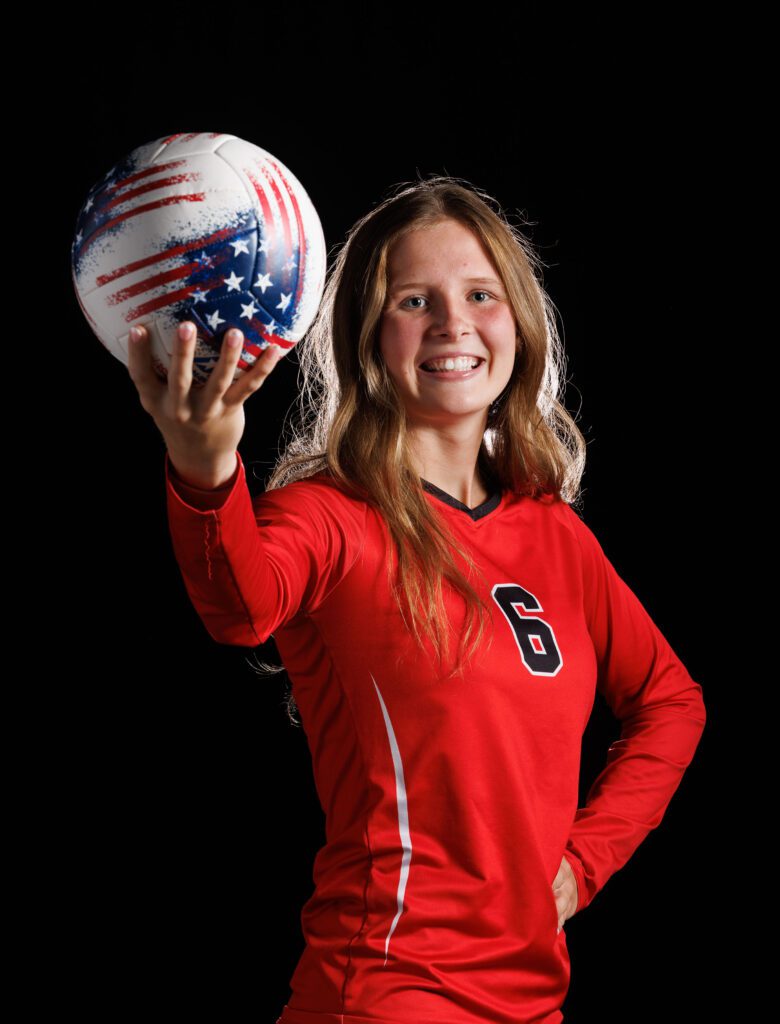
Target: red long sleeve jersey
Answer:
[[449, 803]]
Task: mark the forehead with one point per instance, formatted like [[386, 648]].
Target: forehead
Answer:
[[447, 248]]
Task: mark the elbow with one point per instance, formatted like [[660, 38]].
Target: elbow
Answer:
[[697, 709], [702, 711], [235, 634]]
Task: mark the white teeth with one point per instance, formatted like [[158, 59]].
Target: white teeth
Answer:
[[461, 363]]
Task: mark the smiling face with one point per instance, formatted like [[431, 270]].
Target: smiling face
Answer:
[[445, 297]]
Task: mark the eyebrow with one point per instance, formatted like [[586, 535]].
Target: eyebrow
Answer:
[[468, 280]]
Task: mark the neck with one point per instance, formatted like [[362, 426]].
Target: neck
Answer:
[[450, 461]]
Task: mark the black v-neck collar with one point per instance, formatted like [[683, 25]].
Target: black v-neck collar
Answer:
[[475, 513]]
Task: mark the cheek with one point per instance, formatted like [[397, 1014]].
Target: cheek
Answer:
[[398, 350], [503, 363], [502, 321]]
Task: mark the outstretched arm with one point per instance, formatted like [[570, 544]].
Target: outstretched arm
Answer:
[[251, 564]]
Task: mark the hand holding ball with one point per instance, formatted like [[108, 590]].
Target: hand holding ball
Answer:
[[201, 427], [208, 231], [200, 227]]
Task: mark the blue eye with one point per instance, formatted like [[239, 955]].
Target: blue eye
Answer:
[[479, 291]]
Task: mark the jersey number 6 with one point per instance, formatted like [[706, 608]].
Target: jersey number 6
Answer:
[[535, 639]]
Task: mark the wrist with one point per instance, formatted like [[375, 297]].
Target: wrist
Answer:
[[205, 478]]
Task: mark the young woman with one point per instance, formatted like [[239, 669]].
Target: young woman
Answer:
[[443, 613]]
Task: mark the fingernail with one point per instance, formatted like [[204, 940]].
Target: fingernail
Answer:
[[135, 334], [233, 337], [185, 331]]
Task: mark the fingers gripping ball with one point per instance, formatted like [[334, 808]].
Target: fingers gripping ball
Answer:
[[202, 227]]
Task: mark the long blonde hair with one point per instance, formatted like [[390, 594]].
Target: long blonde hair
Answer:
[[352, 420]]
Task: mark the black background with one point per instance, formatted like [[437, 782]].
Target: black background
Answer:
[[179, 798]]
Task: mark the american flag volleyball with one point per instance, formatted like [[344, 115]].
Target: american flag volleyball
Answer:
[[203, 227]]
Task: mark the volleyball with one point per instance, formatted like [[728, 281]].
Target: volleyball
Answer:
[[204, 227]]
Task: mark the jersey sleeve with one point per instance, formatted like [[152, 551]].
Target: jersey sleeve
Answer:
[[197, 497], [250, 565], [662, 715]]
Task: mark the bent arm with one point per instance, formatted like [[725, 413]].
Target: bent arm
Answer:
[[662, 715]]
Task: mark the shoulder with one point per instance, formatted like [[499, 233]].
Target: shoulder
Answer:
[[571, 520], [592, 556], [546, 505], [563, 512], [318, 497], [556, 517], [320, 485], [324, 487]]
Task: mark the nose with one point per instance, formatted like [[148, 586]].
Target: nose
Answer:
[[450, 319]]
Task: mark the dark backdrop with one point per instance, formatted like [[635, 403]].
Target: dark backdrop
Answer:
[[181, 797]]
